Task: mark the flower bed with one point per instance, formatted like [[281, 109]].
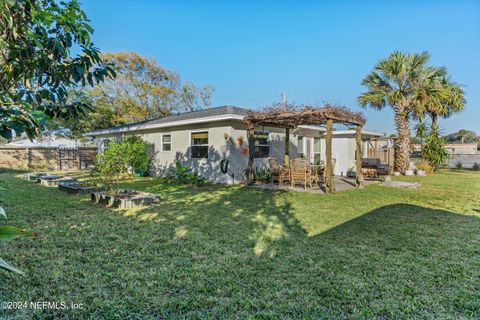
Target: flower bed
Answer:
[[125, 199]]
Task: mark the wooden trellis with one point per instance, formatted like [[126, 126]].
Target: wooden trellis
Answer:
[[307, 115]]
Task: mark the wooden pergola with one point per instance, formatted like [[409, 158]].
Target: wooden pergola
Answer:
[[307, 115]]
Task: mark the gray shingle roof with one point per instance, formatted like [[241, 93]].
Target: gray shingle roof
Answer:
[[211, 112]]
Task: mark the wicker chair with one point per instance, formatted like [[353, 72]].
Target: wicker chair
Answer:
[[300, 173], [279, 173]]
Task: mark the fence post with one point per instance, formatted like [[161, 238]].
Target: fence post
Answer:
[[59, 159], [29, 158], [77, 152], [358, 153]]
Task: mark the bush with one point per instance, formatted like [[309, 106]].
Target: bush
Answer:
[[476, 166], [434, 151], [262, 175], [424, 165], [136, 154], [185, 175], [120, 157], [458, 165]]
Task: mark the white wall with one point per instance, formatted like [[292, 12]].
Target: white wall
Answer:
[[221, 146], [224, 138]]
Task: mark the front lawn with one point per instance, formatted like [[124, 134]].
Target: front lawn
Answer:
[[240, 252]]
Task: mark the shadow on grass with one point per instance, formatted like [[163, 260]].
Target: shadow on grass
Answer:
[[234, 252], [12, 171], [396, 260]]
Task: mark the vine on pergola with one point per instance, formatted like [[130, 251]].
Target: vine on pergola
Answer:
[[291, 116]]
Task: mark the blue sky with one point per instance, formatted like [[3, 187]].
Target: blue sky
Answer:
[[252, 51]]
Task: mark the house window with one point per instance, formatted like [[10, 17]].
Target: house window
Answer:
[[316, 151], [166, 142], [199, 145], [300, 146], [261, 148]]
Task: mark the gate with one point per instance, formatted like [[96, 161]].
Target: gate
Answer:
[[68, 158]]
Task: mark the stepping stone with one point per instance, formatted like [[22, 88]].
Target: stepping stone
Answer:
[[402, 184]]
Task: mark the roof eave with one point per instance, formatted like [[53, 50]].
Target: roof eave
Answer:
[[144, 127]]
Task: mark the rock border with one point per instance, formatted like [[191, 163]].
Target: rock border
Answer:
[[75, 188], [144, 199], [53, 180]]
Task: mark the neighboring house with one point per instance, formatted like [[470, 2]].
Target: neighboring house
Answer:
[[202, 139], [454, 148], [57, 142], [49, 139], [466, 148]]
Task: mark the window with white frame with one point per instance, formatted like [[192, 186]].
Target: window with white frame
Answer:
[[317, 151], [199, 145], [261, 147], [166, 142], [300, 146]]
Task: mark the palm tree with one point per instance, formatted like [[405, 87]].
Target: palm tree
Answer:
[[447, 100], [421, 131], [400, 81], [462, 133]]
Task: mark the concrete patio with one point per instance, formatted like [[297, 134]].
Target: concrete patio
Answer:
[[341, 184]]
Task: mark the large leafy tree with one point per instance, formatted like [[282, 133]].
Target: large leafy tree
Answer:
[[463, 136], [37, 41], [142, 90], [404, 82], [38, 69]]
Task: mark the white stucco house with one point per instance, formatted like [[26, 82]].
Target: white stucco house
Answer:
[[202, 139]]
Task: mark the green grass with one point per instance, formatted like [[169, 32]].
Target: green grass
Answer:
[[239, 252]]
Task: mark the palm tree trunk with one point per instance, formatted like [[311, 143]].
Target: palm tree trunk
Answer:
[[434, 121], [402, 147]]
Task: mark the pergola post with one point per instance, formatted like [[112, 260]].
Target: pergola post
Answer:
[[358, 153], [250, 139], [286, 159], [330, 186]]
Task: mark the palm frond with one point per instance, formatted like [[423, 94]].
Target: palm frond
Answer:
[[419, 61], [374, 99], [404, 80]]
